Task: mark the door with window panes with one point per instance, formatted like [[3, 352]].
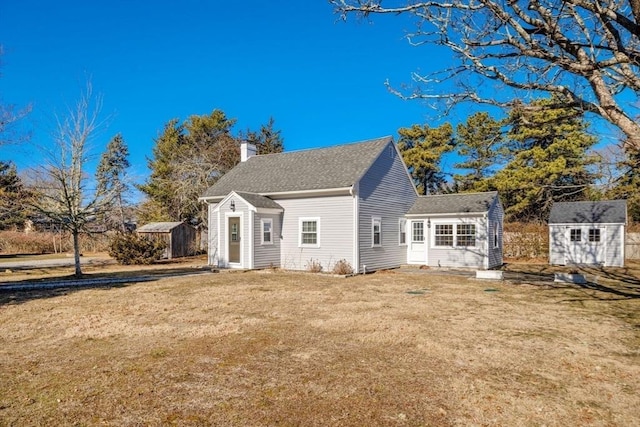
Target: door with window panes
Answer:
[[586, 245], [594, 252], [417, 243]]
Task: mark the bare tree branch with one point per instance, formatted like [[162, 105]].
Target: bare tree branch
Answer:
[[587, 51]]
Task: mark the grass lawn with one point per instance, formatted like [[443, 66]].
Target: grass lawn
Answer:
[[278, 348]]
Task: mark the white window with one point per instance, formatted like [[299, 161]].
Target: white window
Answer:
[[444, 235], [266, 225], [310, 232], [594, 234], [466, 235], [460, 235], [496, 235], [417, 231], [402, 231], [376, 231]]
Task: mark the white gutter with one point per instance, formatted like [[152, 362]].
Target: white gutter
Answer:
[[319, 192]]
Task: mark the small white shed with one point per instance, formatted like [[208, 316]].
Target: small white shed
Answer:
[[590, 233]]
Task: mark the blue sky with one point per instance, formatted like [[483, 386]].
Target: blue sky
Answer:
[[321, 79]]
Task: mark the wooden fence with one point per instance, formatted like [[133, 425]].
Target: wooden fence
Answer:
[[632, 246]]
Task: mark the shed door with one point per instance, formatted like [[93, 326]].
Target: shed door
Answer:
[[594, 246], [234, 239], [417, 244], [586, 245]]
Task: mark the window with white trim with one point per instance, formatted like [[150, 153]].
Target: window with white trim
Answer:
[[462, 235], [594, 234], [444, 235], [309, 232], [465, 235], [402, 232], [266, 225], [496, 235], [376, 231]]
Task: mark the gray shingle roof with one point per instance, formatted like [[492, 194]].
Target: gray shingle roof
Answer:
[[158, 227], [453, 203], [323, 168], [259, 201], [602, 212]]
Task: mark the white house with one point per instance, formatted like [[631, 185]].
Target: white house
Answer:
[[325, 205], [587, 233]]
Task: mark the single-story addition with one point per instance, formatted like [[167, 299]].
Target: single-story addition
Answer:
[[587, 233], [322, 206], [456, 230], [179, 236]]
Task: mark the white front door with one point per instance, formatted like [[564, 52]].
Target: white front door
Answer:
[[417, 250]]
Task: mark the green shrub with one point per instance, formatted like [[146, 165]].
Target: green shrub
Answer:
[[131, 248]]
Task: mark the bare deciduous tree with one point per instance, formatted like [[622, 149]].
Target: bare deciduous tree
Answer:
[[62, 185], [587, 51], [10, 115]]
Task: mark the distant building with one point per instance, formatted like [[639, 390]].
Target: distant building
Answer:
[[589, 233]]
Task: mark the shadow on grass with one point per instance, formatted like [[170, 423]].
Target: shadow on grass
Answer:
[[23, 296], [49, 287], [608, 283]]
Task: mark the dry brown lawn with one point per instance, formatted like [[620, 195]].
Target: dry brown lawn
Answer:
[[278, 348]]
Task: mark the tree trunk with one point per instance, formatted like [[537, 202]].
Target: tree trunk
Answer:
[[76, 253], [122, 225]]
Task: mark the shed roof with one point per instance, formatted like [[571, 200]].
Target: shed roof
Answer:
[[158, 227], [453, 203], [259, 201], [316, 169], [601, 212]]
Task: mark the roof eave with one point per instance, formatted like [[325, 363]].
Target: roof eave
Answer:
[[448, 214]]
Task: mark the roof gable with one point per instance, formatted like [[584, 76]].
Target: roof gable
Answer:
[[602, 212], [317, 169], [453, 203]]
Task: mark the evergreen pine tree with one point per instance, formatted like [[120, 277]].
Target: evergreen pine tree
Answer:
[[479, 142], [549, 160], [422, 149], [111, 176]]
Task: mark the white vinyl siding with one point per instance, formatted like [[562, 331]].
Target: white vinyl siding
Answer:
[[494, 248], [335, 232], [212, 235], [386, 192], [266, 254]]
